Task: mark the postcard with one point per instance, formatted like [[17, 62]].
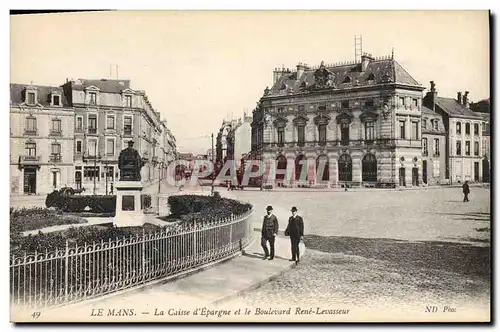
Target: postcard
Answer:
[[250, 166]]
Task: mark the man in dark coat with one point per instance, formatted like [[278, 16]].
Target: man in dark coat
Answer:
[[295, 230], [270, 229], [466, 191]]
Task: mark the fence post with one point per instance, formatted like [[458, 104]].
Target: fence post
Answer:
[[66, 269], [194, 240], [143, 254]]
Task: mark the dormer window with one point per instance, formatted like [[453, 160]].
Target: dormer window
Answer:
[[347, 80], [31, 97], [92, 98], [371, 78], [55, 99], [284, 87]]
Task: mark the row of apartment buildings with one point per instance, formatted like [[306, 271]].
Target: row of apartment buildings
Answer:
[[71, 135], [367, 122], [233, 141]]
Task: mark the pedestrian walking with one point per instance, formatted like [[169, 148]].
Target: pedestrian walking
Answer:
[[270, 229], [466, 191], [295, 230]]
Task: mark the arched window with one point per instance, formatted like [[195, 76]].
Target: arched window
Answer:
[[300, 163], [371, 78], [345, 168], [281, 164], [369, 168], [322, 169], [347, 80]]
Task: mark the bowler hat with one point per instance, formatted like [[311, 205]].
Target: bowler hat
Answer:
[[294, 209], [269, 208]]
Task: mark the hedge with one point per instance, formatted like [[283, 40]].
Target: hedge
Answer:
[[36, 218], [190, 208], [96, 203]]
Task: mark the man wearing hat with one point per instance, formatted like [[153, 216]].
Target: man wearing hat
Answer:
[[270, 229], [295, 230]]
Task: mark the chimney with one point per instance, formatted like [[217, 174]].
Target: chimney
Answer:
[[431, 96], [277, 74], [300, 70], [465, 100], [459, 97], [365, 60]]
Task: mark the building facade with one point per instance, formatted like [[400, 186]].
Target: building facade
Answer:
[[434, 158], [356, 123], [72, 135], [464, 141], [41, 139], [482, 108]]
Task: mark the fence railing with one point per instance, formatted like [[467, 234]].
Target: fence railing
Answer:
[[81, 272]]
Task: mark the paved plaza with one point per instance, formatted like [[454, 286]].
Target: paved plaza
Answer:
[[381, 248]]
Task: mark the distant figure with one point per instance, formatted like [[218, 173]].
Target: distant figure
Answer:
[[270, 229], [466, 191], [295, 230]]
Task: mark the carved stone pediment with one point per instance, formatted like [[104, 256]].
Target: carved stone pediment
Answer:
[[323, 78], [300, 120], [322, 118], [280, 121], [368, 116], [344, 117]]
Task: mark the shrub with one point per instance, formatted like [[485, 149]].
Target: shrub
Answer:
[[54, 199]]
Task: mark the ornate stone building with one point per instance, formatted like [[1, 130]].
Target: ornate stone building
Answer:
[[41, 139], [355, 123]]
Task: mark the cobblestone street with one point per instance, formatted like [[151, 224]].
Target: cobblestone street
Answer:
[[382, 248]]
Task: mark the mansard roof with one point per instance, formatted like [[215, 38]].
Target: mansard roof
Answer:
[[378, 71], [104, 85], [44, 92]]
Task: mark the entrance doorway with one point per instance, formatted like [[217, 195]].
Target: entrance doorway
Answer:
[[345, 168], [486, 170], [78, 179], [30, 180], [414, 176], [402, 177], [476, 171], [424, 171]]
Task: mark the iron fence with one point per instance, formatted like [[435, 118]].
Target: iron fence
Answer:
[[81, 272]]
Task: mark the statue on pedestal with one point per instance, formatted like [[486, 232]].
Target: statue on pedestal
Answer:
[[130, 164]]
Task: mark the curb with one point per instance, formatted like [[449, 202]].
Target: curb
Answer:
[[258, 284]]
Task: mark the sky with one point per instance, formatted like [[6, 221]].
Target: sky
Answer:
[[201, 67]]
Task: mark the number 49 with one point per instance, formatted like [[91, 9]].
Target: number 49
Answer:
[[36, 314]]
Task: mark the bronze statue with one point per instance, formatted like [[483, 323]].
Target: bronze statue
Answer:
[[130, 164]]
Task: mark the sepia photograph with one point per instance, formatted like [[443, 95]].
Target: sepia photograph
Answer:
[[250, 166]]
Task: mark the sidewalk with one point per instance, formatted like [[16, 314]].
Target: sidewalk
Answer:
[[207, 288]]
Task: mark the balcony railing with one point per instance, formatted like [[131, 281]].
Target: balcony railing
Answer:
[[31, 132], [436, 154], [55, 157], [127, 132], [30, 159], [425, 153], [55, 132], [79, 130], [92, 130], [386, 142]]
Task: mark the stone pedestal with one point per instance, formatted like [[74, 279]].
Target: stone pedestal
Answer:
[[129, 212]]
